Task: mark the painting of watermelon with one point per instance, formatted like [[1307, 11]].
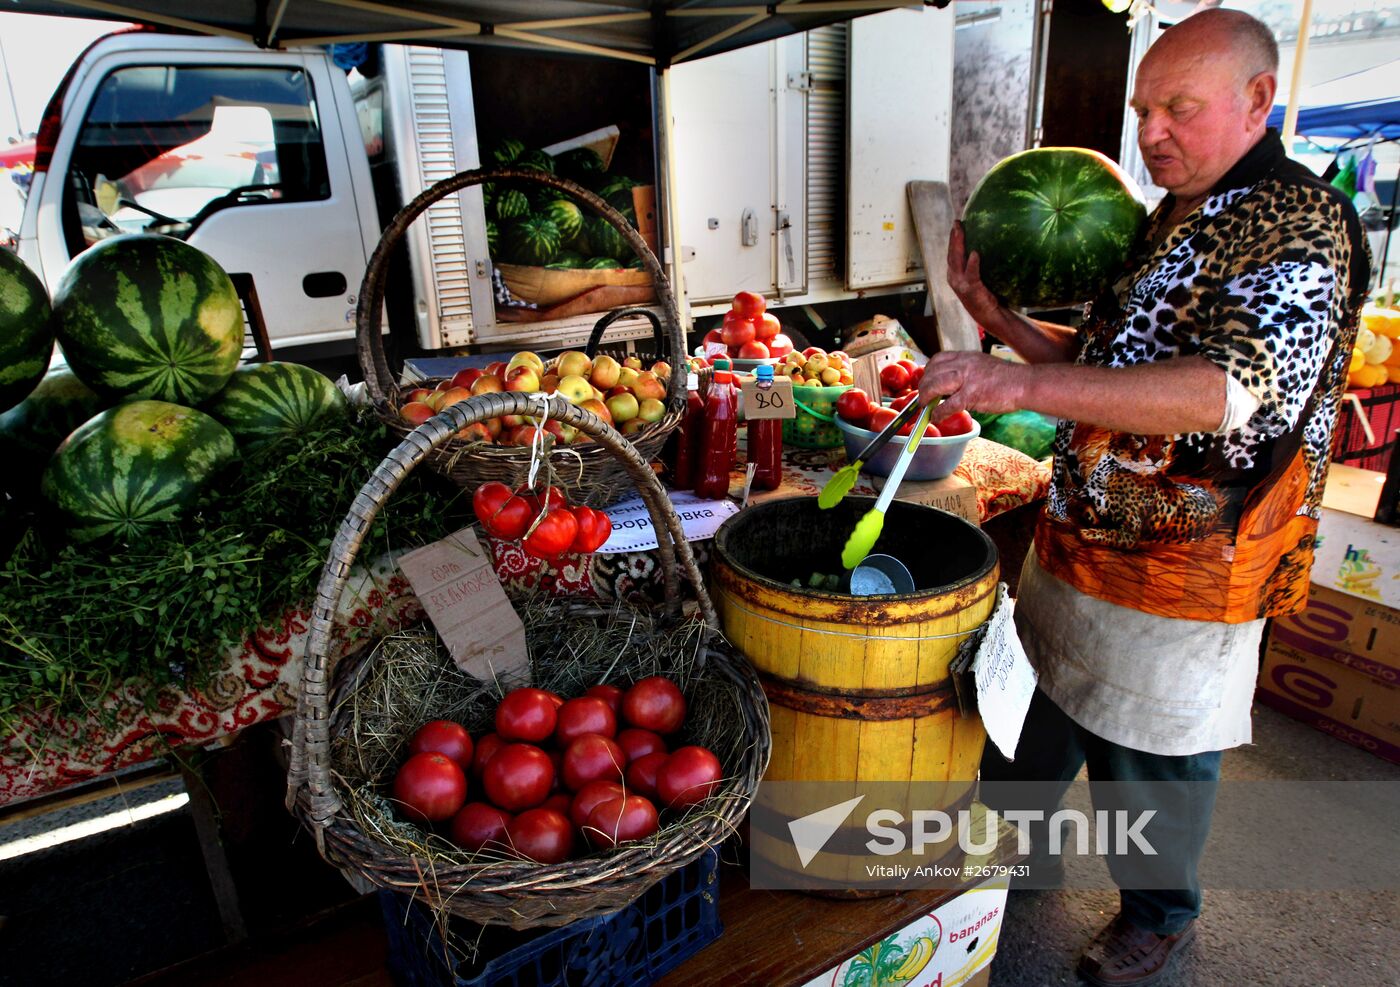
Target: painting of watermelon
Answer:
[[532, 241], [1053, 226], [26, 330], [149, 317], [264, 402], [34, 428], [511, 203], [139, 464]]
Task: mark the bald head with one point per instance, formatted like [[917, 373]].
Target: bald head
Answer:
[[1220, 33]]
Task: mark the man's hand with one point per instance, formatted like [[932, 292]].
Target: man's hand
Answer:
[[965, 278], [969, 381]]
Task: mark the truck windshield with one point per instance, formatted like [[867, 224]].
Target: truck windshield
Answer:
[[164, 147]]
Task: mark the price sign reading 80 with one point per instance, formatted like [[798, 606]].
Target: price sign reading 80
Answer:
[[772, 401]]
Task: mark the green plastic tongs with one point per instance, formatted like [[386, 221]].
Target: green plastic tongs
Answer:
[[844, 479], [868, 528]]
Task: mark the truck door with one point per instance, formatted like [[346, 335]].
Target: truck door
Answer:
[[223, 149]]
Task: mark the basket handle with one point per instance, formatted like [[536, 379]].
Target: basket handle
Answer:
[[814, 412], [369, 310], [605, 323], [308, 775]]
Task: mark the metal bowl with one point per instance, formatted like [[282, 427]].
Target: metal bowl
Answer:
[[934, 457]]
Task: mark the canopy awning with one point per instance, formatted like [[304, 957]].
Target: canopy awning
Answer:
[[1352, 107], [653, 32]]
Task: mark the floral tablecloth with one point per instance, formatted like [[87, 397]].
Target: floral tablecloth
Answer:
[[261, 675]]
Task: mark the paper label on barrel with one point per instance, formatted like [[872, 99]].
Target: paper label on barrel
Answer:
[[632, 529], [1004, 676], [459, 590]]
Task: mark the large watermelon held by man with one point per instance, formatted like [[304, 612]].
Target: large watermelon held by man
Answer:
[[263, 402], [139, 464], [149, 317], [1053, 226], [26, 330]]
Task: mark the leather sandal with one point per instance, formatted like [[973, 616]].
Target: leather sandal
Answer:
[[1125, 955]]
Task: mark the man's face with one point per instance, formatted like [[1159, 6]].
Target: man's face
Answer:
[[1197, 116]]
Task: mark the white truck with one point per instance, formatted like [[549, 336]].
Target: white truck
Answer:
[[780, 168]]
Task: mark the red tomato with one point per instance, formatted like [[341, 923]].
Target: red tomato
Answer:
[[584, 715], [766, 327], [688, 777], [542, 835], [748, 305], [557, 758], [478, 824], [881, 417], [637, 743], [957, 424], [908, 365], [594, 528], [552, 497], [592, 758], [780, 345], [621, 820], [902, 402], [894, 378], [713, 343], [854, 406], [526, 714], [518, 777], [589, 796], [488, 498], [502, 515], [447, 738], [930, 431], [610, 694], [488, 745], [553, 535], [654, 704], [753, 350], [916, 375], [641, 773], [430, 787], [559, 802], [737, 330]]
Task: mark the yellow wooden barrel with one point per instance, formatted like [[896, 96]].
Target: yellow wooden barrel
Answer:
[[858, 687]]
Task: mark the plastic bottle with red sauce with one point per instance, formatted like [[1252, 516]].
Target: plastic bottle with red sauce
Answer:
[[766, 443], [687, 450], [718, 435]]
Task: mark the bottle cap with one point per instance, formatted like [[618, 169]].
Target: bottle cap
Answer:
[[764, 371], [723, 377], [722, 364], [692, 381]]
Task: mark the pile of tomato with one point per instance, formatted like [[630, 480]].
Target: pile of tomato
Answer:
[[547, 524], [855, 406], [558, 776]]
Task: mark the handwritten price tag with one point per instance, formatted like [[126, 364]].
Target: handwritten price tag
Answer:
[[768, 400], [1005, 679], [457, 586]]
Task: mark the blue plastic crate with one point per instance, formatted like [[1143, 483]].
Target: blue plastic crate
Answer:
[[671, 922]]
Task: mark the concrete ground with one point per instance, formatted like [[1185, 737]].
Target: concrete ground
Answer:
[[1245, 938]]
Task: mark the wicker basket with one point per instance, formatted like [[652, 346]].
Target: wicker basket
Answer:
[[588, 473], [657, 351], [515, 893]]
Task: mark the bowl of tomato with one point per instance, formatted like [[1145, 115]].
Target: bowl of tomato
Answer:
[[936, 456]]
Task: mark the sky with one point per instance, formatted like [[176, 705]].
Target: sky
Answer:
[[37, 51]]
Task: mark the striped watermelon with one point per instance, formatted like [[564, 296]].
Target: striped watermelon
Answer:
[[1053, 226], [566, 216], [135, 465], [149, 317], [26, 330], [618, 194], [493, 237], [603, 238], [267, 401], [603, 264], [507, 151], [567, 260], [511, 203], [532, 241], [579, 162], [34, 428], [536, 159]]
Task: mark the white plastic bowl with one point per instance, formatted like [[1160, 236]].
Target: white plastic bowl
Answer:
[[934, 458]]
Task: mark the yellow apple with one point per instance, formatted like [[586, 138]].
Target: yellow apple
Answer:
[[416, 413], [605, 372], [633, 426], [417, 394], [651, 410], [598, 408], [661, 368], [831, 376], [623, 407], [523, 378], [574, 364], [648, 385], [487, 384], [526, 359], [575, 389], [635, 362], [627, 377], [452, 396]]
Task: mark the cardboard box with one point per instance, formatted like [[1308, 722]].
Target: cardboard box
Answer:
[[1336, 666], [963, 933], [952, 494], [1354, 554]]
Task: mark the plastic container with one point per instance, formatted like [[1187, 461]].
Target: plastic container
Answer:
[[671, 922], [815, 424], [765, 444], [934, 458], [719, 435], [686, 454]]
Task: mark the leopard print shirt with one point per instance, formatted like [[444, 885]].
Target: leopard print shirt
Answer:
[[1265, 279]]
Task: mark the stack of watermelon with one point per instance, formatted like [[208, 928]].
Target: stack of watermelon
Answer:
[[150, 328], [542, 227]]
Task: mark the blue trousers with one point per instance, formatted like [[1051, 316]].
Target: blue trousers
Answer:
[[1182, 790]]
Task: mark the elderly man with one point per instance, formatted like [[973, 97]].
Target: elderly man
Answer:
[[1197, 401]]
